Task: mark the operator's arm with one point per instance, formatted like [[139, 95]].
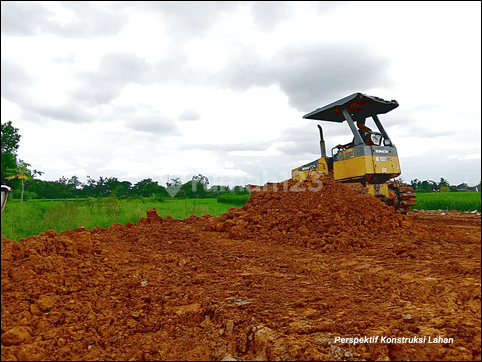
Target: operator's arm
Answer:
[[348, 145]]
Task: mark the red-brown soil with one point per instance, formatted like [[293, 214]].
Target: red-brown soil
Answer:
[[280, 278]]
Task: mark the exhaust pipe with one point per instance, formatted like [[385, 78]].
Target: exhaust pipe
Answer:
[[322, 143]]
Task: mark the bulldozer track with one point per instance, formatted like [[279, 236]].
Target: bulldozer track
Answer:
[[406, 196], [407, 201]]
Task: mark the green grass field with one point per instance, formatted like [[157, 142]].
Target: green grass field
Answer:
[[36, 216], [463, 201]]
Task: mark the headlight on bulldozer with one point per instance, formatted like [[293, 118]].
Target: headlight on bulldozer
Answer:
[[376, 138], [387, 142]]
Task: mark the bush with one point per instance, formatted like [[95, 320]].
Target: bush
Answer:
[[61, 217], [111, 206], [29, 195], [157, 198]]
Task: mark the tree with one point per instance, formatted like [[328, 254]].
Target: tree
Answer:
[[39, 187], [9, 162], [187, 191], [88, 189], [9, 146], [444, 185], [217, 190], [427, 186], [201, 179], [74, 181], [196, 188], [240, 190], [415, 183], [148, 188], [122, 189], [199, 185], [176, 181], [22, 173], [173, 186], [443, 182], [10, 138]]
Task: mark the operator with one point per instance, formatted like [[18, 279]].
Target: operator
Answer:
[[365, 133]]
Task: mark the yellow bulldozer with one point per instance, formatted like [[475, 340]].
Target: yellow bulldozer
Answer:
[[371, 159]]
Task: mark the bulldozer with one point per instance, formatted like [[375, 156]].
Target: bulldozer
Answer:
[[370, 160]]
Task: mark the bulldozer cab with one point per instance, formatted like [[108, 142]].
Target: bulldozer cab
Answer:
[[357, 106]]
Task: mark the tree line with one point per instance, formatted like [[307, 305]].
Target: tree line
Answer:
[[65, 188], [441, 186]]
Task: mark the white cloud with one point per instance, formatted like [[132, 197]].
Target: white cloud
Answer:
[[470, 156], [58, 165], [10, 110], [141, 90], [189, 115]]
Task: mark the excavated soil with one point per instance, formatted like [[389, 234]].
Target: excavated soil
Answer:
[[282, 278]]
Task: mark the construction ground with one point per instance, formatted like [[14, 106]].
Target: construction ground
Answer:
[[301, 272]]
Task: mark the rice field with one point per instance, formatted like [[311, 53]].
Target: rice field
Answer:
[[462, 201]]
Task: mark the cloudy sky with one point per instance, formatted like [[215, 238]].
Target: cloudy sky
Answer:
[[139, 90]]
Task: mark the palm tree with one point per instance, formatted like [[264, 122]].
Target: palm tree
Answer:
[[22, 173]]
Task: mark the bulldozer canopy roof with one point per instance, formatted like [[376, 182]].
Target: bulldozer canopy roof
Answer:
[[359, 105]]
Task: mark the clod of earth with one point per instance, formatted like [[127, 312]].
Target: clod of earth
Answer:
[[279, 278]]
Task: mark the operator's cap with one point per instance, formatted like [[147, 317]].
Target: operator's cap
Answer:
[[360, 120]]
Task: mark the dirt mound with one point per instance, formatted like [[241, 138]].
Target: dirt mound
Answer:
[[284, 277], [319, 213]]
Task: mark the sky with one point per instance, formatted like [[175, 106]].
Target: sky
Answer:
[[160, 90]]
